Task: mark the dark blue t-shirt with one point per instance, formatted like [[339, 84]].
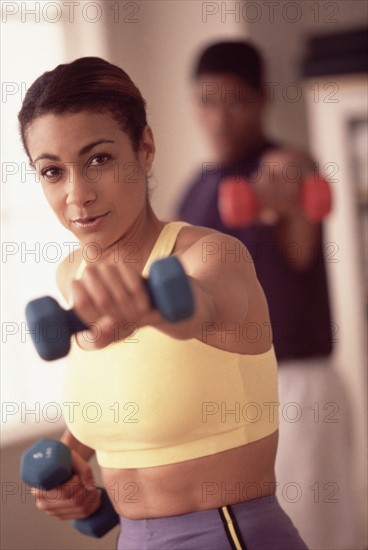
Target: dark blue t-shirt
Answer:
[[298, 301]]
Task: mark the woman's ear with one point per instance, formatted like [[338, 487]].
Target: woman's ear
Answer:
[[147, 148]]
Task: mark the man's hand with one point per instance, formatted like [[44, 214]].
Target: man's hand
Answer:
[[278, 185]]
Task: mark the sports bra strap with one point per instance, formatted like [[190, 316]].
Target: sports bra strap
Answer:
[[164, 244]]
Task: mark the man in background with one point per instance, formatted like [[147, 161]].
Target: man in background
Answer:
[[312, 465]]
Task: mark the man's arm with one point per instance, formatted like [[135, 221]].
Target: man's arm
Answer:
[[299, 238]]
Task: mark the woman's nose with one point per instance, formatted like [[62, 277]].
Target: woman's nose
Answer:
[[80, 189]]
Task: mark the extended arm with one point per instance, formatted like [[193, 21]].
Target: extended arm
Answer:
[[222, 277]]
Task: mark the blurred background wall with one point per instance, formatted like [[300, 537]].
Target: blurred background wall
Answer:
[[156, 42]]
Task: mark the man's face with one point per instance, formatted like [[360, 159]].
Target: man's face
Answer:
[[229, 111]]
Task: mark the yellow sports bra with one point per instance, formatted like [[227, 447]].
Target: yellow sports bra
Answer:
[[151, 400]]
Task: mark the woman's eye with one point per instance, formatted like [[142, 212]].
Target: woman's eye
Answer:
[[99, 160], [51, 173]]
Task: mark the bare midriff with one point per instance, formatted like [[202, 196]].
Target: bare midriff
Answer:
[[225, 478]]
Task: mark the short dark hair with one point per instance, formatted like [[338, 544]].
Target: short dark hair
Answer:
[[86, 84], [239, 58]]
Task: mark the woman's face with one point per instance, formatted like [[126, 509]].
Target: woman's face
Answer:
[[93, 180]]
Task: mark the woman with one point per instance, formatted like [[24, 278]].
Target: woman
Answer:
[[184, 423]]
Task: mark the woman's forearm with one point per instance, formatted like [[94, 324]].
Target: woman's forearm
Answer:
[[70, 441]]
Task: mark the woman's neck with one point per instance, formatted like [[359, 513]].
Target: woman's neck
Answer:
[[136, 244]]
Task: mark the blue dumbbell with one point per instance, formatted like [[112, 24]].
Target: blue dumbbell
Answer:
[[51, 326], [47, 464]]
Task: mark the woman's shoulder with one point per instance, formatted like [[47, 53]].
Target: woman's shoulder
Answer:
[[205, 237], [67, 270], [189, 234]]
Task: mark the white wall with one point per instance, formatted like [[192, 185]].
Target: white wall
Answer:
[[27, 256]]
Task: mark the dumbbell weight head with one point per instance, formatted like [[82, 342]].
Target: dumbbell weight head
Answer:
[[170, 290], [100, 522], [238, 204], [47, 464], [316, 197], [51, 327]]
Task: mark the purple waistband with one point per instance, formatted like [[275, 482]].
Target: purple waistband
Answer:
[[257, 524]]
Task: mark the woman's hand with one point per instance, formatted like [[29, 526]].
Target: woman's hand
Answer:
[[112, 298], [77, 498]]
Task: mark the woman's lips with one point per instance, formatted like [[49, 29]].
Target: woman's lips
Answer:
[[90, 223]]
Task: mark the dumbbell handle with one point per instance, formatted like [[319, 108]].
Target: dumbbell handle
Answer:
[[74, 324], [98, 523]]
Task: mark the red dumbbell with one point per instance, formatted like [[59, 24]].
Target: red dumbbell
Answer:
[[239, 205]]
